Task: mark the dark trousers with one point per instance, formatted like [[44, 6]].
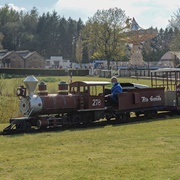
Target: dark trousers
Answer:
[[110, 101]]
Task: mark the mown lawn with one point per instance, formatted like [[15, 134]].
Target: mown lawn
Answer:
[[143, 150]]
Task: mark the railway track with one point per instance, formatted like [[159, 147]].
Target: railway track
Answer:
[[101, 123]]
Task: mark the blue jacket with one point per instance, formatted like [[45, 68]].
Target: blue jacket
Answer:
[[115, 90]]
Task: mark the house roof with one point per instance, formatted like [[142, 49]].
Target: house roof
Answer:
[[167, 70], [25, 54], [5, 53], [170, 55]]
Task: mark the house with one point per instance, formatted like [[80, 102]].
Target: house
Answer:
[[170, 59], [32, 59], [10, 59], [57, 62], [21, 59]]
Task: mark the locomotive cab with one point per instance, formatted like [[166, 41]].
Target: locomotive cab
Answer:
[[91, 93]]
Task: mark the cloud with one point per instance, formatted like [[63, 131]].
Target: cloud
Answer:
[[86, 8], [16, 8], [148, 13]]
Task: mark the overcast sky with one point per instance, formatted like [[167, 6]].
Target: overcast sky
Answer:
[[147, 13]]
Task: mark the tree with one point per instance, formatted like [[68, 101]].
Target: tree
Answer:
[[155, 48], [28, 36], [48, 34], [102, 34], [10, 27], [175, 20], [175, 45], [79, 50], [71, 39], [62, 29], [1, 38], [175, 24]]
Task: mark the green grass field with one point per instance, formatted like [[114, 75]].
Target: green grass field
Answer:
[[143, 150]]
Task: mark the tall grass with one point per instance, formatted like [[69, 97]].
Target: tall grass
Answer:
[[8, 100]]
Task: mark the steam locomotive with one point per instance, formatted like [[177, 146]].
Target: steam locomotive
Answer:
[[83, 102]]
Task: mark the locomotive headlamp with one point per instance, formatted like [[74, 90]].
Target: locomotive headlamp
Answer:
[[21, 91]]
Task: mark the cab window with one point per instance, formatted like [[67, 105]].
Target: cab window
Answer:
[[96, 90], [74, 90], [81, 89]]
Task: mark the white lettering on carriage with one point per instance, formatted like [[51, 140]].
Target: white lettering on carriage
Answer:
[[157, 98], [151, 99], [144, 99]]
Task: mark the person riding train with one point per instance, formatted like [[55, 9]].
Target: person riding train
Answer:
[[112, 99]]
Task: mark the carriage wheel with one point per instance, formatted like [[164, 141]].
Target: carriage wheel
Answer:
[[154, 114], [119, 117], [126, 116], [137, 114], [148, 114]]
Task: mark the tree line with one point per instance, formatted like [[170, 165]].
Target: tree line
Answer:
[[99, 38], [48, 34]]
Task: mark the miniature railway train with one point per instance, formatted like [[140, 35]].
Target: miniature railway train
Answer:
[[83, 102]]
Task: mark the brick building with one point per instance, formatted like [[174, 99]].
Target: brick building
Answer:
[[21, 59], [10, 59], [32, 59]]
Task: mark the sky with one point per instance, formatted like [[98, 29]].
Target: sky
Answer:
[[155, 13]]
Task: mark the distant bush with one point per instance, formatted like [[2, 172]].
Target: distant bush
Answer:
[[49, 79]]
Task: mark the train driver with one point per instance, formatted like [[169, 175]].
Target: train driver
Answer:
[[112, 99]]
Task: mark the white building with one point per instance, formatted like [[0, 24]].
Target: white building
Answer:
[[170, 59], [57, 62]]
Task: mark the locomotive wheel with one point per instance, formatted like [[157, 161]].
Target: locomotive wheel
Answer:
[[76, 119], [87, 120], [108, 118], [23, 126], [20, 125], [27, 126]]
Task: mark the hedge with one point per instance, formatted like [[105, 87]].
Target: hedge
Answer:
[[45, 72]]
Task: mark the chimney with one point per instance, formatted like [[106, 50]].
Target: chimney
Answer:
[[30, 83]]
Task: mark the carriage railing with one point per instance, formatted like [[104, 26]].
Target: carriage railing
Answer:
[[169, 78]]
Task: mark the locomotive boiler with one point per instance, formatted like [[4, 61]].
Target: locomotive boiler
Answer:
[[44, 103]]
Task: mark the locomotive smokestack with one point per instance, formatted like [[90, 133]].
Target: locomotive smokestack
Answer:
[[30, 83]]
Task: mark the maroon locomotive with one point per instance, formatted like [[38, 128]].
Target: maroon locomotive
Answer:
[[80, 103]]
